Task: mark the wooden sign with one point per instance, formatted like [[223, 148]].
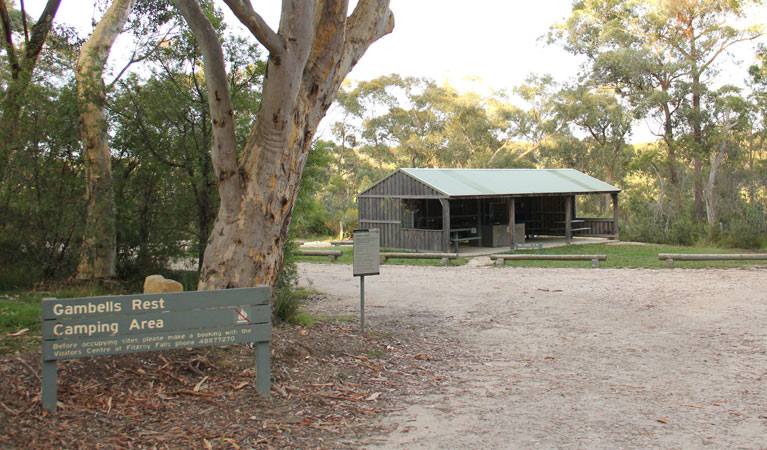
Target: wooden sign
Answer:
[[97, 326]]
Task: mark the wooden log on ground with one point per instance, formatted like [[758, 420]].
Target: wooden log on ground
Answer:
[[331, 254], [500, 260], [443, 257], [670, 257]]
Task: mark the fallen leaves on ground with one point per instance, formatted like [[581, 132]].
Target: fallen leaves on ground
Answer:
[[329, 385]]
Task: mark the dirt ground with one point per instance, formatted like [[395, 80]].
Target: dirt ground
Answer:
[[571, 358]]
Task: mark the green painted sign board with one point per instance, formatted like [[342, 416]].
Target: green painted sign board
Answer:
[[98, 326]]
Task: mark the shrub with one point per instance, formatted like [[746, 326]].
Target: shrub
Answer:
[[286, 300]]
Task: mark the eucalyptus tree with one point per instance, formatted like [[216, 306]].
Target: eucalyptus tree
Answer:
[[624, 50], [662, 54], [98, 250], [40, 167], [364, 123], [607, 124], [21, 59], [727, 115], [470, 133], [22, 47], [537, 123], [417, 123], [698, 31], [316, 45], [757, 143], [161, 118]]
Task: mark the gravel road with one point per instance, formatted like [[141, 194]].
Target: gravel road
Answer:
[[575, 358]]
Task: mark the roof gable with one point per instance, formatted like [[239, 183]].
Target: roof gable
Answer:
[[403, 184]]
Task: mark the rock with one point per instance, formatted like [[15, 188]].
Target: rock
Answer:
[[157, 284]]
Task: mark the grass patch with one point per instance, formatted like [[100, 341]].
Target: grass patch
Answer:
[[18, 313], [618, 256], [287, 307], [305, 319]]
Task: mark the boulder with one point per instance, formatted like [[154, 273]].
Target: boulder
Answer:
[[157, 284]]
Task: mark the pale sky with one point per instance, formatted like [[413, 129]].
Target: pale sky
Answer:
[[495, 40]]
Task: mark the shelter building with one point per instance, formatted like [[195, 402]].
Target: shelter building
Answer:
[[439, 209]]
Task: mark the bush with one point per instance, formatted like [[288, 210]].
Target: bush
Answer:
[[744, 231], [286, 301]]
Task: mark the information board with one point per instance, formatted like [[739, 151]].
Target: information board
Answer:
[[367, 249]]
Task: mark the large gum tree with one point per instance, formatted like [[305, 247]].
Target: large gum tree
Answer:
[[98, 250], [316, 45]]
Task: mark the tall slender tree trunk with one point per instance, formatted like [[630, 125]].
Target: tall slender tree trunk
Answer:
[[716, 161], [697, 135], [717, 156], [668, 139], [98, 251]]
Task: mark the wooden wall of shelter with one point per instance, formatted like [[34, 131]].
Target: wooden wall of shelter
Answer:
[[381, 207]]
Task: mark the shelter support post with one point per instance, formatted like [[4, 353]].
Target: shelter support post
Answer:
[[445, 224], [512, 223], [616, 234], [568, 219]]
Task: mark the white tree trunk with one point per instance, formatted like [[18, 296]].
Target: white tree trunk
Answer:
[[315, 47], [98, 249], [717, 156], [718, 153]]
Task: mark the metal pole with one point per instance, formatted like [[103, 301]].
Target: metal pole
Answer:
[[362, 302]]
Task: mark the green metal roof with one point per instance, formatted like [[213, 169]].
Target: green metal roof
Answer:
[[488, 182]]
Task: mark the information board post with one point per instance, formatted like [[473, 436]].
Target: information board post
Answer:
[[367, 249], [362, 302]]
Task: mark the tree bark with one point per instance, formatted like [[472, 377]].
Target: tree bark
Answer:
[[716, 160], [98, 249], [310, 55], [697, 135], [718, 153]]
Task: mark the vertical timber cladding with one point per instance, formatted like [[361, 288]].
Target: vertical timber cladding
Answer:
[[95, 326], [380, 207]]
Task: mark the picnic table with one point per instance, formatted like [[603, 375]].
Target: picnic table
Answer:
[[457, 236]]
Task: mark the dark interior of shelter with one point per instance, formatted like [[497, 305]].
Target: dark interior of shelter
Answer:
[[488, 219]]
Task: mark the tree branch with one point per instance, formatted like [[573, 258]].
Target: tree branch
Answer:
[[257, 26], [370, 20], [10, 50], [24, 21], [40, 32], [329, 34], [223, 146], [134, 59], [367, 14]]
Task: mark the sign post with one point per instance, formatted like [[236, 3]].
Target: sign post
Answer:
[[367, 248]]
